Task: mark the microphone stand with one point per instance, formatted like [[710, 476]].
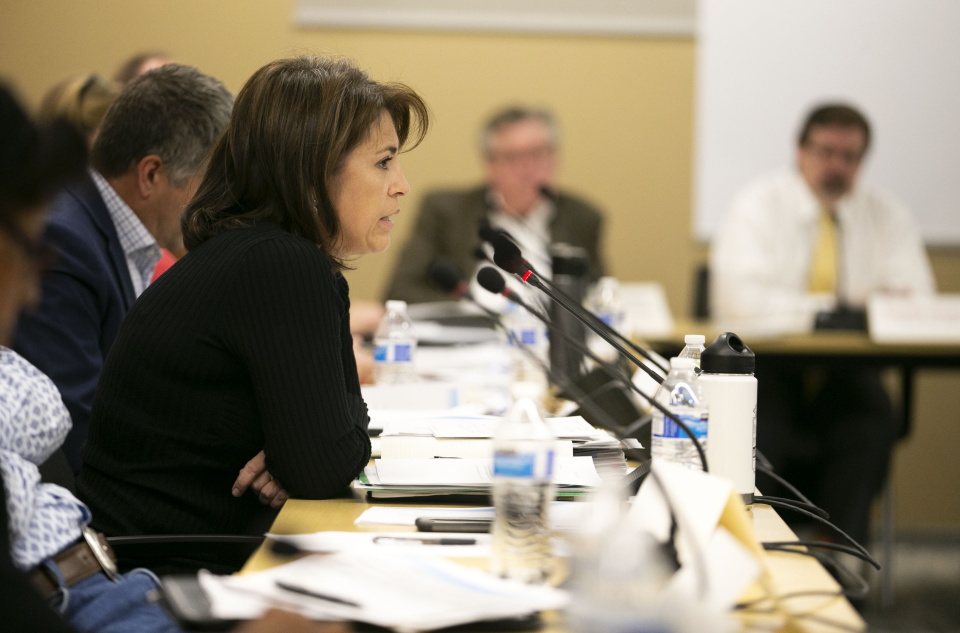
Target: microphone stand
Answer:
[[616, 372], [489, 234], [531, 278]]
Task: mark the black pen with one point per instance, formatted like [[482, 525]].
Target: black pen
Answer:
[[313, 594], [428, 541]]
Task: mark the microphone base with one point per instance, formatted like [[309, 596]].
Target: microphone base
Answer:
[[849, 319]]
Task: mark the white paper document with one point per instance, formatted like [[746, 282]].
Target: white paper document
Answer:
[[926, 319], [568, 471], [402, 446], [397, 591], [574, 427]]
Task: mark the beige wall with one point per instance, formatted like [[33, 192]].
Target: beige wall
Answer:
[[625, 106]]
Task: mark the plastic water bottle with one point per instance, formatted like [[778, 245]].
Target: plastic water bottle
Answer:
[[682, 395], [395, 346], [527, 376], [605, 303], [693, 348], [522, 491]]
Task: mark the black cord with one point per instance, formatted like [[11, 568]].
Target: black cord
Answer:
[[786, 484], [776, 504], [837, 547], [763, 461], [859, 592], [800, 504]]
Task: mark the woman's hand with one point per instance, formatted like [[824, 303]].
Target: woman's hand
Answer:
[[254, 475]]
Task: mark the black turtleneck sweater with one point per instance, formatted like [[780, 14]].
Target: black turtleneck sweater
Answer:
[[244, 345]]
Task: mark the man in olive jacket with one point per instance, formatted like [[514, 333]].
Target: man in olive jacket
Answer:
[[520, 147]]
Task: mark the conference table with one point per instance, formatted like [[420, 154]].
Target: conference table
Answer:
[[789, 573], [838, 348], [833, 346]]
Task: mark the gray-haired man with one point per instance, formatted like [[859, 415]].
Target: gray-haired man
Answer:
[[519, 147], [145, 166]]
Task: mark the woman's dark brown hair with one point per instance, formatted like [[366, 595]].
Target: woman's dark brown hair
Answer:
[[293, 125]]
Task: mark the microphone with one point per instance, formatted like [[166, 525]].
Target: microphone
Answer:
[[615, 371], [507, 255], [445, 274], [494, 282]]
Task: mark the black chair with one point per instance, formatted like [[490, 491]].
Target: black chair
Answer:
[[184, 553], [701, 293], [164, 553]]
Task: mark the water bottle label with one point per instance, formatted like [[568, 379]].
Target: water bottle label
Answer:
[[528, 337], [666, 428], [522, 465], [402, 353]]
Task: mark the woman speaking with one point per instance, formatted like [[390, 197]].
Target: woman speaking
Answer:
[[244, 345]]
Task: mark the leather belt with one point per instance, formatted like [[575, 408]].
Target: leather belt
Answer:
[[91, 556]]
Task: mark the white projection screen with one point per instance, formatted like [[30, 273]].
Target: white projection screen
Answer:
[[763, 63]]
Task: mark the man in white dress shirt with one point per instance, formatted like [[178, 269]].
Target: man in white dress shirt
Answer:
[[806, 240]]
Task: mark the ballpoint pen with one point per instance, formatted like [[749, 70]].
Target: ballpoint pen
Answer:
[[313, 594], [426, 541]]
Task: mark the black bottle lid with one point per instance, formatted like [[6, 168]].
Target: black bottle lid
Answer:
[[728, 355]]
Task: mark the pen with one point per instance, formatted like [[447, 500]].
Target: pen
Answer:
[[313, 594], [427, 541]]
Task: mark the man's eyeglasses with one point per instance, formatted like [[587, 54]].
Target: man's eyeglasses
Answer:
[[825, 153], [536, 154], [41, 255]]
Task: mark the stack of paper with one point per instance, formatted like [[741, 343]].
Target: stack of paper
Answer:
[[469, 436], [459, 436], [389, 478], [400, 592], [933, 320]]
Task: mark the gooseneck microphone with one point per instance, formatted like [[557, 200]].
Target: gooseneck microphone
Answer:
[[444, 272], [446, 275], [507, 255], [494, 282]]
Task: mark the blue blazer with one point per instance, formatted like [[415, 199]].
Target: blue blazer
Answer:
[[85, 297]]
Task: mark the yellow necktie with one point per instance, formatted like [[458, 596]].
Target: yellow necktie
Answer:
[[823, 270]]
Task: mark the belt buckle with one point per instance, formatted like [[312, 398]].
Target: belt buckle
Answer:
[[101, 554]]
